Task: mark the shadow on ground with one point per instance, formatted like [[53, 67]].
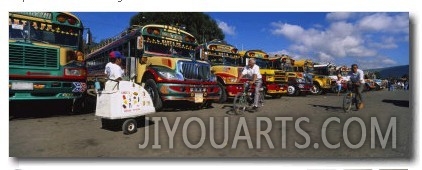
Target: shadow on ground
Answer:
[[40, 109], [328, 108], [400, 103], [116, 125]]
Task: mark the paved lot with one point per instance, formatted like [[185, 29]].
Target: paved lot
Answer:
[[45, 130]]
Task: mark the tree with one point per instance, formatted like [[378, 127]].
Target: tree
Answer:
[[378, 74], [200, 25]]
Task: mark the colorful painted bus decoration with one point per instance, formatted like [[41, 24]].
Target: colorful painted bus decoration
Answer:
[[272, 79], [225, 64], [161, 58], [45, 57]]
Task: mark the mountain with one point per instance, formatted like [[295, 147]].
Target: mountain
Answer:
[[396, 71]]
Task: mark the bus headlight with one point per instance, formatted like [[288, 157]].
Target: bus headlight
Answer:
[[74, 72], [270, 78], [231, 79], [171, 75], [300, 80], [212, 78]]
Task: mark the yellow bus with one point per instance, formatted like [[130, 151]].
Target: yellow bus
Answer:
[[225, 64], [272, 79]]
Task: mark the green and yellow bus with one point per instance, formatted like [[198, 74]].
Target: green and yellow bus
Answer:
[[162, 59], [45, 56]]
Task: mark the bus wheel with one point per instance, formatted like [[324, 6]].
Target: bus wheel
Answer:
[[291, 90], [129, 126], [207, 104], [78, 105], [316, 89], [222, 93], [152, 90]]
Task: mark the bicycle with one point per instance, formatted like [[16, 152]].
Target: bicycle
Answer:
[[349, 99], [243, 100]]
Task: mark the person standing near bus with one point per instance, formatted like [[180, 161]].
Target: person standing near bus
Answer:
[[338, 82], [358, 82], [113, 69], [252, 71]]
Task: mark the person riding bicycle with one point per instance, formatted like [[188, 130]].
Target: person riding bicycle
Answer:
[[252, 72], [356, 78]]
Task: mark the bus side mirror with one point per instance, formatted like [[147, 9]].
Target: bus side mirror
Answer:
[[132, 68], [140, 43], [88, 37]]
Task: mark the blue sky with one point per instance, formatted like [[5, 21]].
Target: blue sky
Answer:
[[372, 40]]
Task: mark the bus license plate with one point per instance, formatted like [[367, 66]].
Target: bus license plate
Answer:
[[199, 98], [22, 86]]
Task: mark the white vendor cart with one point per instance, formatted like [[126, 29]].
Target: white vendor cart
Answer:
[[123, 101]]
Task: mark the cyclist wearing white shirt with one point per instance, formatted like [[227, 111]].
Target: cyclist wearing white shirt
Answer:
[[358, 82], [253, 74]]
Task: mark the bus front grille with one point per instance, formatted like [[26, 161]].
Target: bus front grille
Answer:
[[195, 70], [25, 56], [279, 76]]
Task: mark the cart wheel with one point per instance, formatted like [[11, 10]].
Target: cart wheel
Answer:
[[129, 127]]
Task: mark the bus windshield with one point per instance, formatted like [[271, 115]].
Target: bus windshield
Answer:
[[263, 64], [275, 64], [30, 33], [227, 61], [168, 50], [288, 68]]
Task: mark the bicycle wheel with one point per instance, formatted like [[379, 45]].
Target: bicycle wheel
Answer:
[[347, 102], [239, 103]]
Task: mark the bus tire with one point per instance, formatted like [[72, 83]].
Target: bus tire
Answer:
[[78, 105], [152, 89], [207, 104], [316, 89], [222, 94], [292, 90]]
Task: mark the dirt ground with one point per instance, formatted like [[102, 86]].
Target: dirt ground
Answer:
[[290, 127]]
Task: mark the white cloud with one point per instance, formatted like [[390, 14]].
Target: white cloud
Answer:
[[385, 23], [385, 43], [361, 51], [388, 61], [338, 40], [347, 36], [341, 29], [338, 15], [325, 58], [226, 28], [288, 30]]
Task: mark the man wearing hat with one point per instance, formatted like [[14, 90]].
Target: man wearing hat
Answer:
[[113, 69]]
